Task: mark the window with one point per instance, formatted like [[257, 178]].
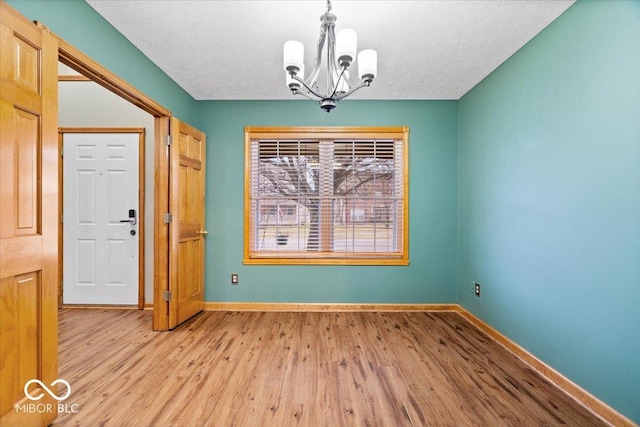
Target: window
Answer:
[[326, 196]]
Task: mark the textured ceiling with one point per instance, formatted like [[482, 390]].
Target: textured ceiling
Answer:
[[233, 49]]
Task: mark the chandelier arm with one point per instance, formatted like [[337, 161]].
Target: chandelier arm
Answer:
[[340, 77], [306, 95], [353, 89], [319, 96], [313, 77], [331, 57]]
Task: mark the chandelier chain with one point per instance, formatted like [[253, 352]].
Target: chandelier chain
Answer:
[[328, 5]]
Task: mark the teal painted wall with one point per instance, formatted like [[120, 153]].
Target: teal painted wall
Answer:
[[549, 199], [431, 277], [81, 26]]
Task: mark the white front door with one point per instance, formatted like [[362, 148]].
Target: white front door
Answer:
[[100, 218]]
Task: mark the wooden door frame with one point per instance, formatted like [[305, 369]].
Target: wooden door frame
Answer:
[[141, 205], [74, 58]]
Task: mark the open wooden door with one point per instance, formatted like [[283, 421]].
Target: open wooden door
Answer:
[[28, 223], [187, 232]]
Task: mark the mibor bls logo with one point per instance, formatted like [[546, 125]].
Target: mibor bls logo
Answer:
[[46, 407]]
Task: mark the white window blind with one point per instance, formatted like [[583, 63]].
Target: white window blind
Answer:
[[332, 198]]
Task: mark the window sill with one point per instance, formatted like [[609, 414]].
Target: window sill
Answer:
[[326, 261]]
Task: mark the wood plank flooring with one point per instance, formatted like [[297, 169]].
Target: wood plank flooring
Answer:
[[299, 369]]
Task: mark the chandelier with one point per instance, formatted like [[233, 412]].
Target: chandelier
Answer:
[[342, 47]]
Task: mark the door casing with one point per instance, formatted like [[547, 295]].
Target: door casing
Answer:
[[74, 58]]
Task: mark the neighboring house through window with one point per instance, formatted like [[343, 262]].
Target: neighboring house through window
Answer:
[[326, 195]]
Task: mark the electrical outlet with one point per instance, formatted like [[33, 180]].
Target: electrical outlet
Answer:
[[476, 289], [234, 278]]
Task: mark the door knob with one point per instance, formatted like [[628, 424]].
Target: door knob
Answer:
[[132, 217], [202, 232]]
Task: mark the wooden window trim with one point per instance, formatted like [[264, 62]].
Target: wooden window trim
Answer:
[[326, 258]]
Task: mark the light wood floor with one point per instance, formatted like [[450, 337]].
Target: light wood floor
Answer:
[[307, 369]]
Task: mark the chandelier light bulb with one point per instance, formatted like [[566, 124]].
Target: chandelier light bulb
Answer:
[[368, 65], [293, 56], [346, 46]]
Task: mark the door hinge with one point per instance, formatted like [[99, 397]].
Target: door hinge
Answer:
[[166, 295], [169, 139], [168, 218], [61, 150]]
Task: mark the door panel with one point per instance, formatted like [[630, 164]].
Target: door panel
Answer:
[[27, 159], [187, 192], [28, 217], [101, 186]]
